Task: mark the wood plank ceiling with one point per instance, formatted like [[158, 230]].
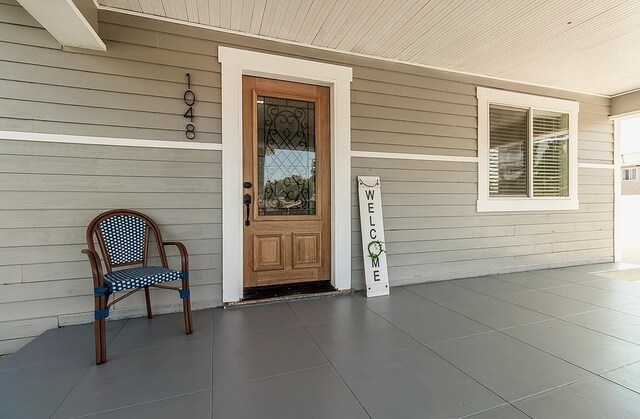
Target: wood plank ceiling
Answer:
[[584, 45]]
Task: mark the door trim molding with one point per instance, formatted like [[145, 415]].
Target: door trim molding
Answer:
[[236, 63]]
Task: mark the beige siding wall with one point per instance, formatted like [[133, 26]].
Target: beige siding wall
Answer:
[[49, 192], [433, 231]]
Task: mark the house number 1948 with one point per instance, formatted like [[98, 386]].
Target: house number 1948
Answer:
[[189, 99]]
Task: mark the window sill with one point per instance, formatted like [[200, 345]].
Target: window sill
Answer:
[[528, 204]]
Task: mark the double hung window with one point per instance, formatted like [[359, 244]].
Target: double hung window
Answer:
[[527, 149]]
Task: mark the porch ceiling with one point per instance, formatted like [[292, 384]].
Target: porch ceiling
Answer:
[[589, 46]]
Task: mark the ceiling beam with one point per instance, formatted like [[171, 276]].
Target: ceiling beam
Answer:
[[626, 105], [65, 22]]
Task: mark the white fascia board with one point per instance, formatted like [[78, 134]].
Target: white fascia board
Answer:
[[64, 21]]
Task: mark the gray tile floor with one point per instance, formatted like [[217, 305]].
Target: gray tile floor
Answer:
[[559, 343]]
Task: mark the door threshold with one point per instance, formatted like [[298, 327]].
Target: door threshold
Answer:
[[287, 298], [281, 290]]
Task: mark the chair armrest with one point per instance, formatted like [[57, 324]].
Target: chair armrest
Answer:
[[184, 255], [96, 267]]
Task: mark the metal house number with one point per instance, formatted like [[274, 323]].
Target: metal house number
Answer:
[[189, 99]]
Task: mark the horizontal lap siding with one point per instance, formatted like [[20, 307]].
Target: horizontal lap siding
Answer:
[[433, 231], [134, 90], [432, 228], [50, 192]]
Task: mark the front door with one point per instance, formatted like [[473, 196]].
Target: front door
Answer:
[[287, 187]]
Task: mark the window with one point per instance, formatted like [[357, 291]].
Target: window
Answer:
[[630, 174], [527, 149]]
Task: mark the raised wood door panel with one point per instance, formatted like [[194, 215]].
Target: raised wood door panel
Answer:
[[286, 159]]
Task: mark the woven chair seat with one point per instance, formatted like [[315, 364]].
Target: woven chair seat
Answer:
[[142, 276]]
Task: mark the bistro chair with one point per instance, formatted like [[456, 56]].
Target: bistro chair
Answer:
[[123, 239]]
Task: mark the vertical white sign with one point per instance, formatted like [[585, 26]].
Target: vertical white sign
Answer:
[[373, 245]]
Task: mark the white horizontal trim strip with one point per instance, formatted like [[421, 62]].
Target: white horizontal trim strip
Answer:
[[339, 51], [412, 156], [123, 142], [596, 166], [528, 204]]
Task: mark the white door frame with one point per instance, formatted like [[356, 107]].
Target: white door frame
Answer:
[[235, 64]]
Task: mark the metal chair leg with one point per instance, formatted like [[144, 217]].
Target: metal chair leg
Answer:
[[187, 316], [103, 341], [98, 342], [186, 308], [147, 296], [100, 330]]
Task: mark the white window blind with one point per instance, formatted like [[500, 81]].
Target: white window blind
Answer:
[[550, 153], [508, 151]]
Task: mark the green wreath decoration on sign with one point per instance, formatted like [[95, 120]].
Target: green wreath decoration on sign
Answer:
[[375, 249]]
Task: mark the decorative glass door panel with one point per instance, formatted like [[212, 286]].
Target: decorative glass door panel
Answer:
[[286, 156], [287, 184]]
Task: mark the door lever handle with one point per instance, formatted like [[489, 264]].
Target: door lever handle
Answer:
[[247, 204]]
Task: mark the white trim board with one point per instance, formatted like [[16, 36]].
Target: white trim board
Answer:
[[413, 156], [596, 166], [113, 141], [64, 21], [355, 54], [443, 157], [235, 64], [617, 194]]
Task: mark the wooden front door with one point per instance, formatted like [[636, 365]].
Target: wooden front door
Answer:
[[287, 185]]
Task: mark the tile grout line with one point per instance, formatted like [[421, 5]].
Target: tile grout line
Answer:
[[586, 302], [512, 337], [213, 337], [620, 367], [616, 383], [560, 318], [501, 280], [548, 390], [282, 374], [329, 361], [86, 371], [140, 404], [154, 400], [439, 356], [24, 367], [593, 374], [497, 407], [563, 319], [586, 284], [497, 297], [160, 346]]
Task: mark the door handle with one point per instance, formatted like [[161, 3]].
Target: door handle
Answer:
[[247, 204]]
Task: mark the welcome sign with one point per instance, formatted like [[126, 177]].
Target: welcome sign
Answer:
[[373, 245]]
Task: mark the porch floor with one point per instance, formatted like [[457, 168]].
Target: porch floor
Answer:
[[554, 343]]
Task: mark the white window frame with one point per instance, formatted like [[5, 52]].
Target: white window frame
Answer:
[[630, 170], [486, 203]]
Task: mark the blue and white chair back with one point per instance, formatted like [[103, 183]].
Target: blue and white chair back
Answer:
[[124, 239]]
